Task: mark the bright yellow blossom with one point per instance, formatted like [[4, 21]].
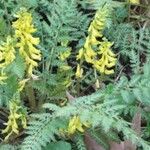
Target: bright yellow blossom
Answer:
[[107, 59], [75, 124], [79, 72], [27, 43], [97, 49], [7, 56], [16, 115]]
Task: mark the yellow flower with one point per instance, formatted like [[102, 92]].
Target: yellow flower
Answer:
[[79, 71], [100, 19], [16, 115], [134, 1], [64, 55], [75, 125], [27, 43], [107, 59]]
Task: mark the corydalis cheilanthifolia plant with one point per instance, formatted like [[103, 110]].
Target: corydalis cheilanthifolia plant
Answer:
[[97, 52], [24, 44], [24, 29]]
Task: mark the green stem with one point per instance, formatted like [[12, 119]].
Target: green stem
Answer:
[[7, 18], [48, 63], [31, 97]]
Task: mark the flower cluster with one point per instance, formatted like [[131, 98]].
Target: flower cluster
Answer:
[[7, 56], [26, 42], [17, 114], [97, 49], [75, 124], [79, 71]]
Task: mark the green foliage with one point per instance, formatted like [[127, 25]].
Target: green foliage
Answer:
[[130, 43], [8, 90], [57, 145], [62, 22], [79, 142], [7, 146], [106, 114], [45, 126]]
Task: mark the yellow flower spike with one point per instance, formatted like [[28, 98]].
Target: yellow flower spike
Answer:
[[97, 51], [79, 72], [27, 43], [7, 56], [106, 60], [15, 117]]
